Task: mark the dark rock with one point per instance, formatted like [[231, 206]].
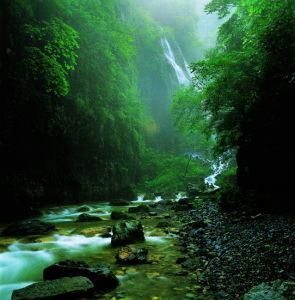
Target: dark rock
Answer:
[[139, 209], [153, 213], [182, 207], [63, 288], [185, 200], [117, 215], [28, 228], [83, 209], [180, 260], [127, 232], [119, 202], [87, 218], [102, 277], [128, 256], [106, 235], [163, 224]]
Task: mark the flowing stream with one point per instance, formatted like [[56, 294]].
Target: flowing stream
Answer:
[[22, 260]]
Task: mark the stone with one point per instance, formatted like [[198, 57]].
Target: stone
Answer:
[[101, 276], [118, 215], [64, 288], [33, 227], [83, 209], [125, 233], [153, 213], [139, 209], [87, 218], [131, 256], [267, 291]]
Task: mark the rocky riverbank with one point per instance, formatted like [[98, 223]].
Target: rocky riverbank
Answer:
[[230, 253]]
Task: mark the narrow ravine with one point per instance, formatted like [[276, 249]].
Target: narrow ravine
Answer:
[[23, 259]]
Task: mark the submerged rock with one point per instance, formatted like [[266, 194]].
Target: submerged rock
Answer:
[[139, 209], [101, 276], [63, 288], [87, 218], [127, 232], [28, 228], [117, 215], [83, 209], [129, 256]]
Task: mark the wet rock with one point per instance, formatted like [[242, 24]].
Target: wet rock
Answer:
[[180, 260], [87, 218], [117, 215], [267, 291], [63, 288], [28, 228], [163, 224], [83, 209], [182, 207], [119, 202], [139, 209], [125, 233], [153, 213], [101, 276], [128, 256]]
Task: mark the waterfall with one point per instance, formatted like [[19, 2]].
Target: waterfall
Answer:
[[180, 73]]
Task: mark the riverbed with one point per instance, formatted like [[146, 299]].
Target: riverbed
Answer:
[[22, 260]]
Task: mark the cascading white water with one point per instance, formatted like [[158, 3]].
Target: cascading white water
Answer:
[[180, 73], [217, 167]]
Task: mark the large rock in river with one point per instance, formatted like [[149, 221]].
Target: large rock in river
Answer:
[[59, 289], [127, 233], [28, 228], [101, 276], [87, 218]]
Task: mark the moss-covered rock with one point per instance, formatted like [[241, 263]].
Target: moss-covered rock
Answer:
[[127, 232]]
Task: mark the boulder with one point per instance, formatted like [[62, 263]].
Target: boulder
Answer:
[[127, 232], [63, 288], [83, 209], [87, 218], [28, 228], [101, 276], [275, 290], [119, 202], [130, 256], [153, 213], [139, 209], [117, 215]]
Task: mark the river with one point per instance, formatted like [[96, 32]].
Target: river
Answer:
[[22, 260]]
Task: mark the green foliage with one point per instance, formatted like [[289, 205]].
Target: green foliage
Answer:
[[169, 173]]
